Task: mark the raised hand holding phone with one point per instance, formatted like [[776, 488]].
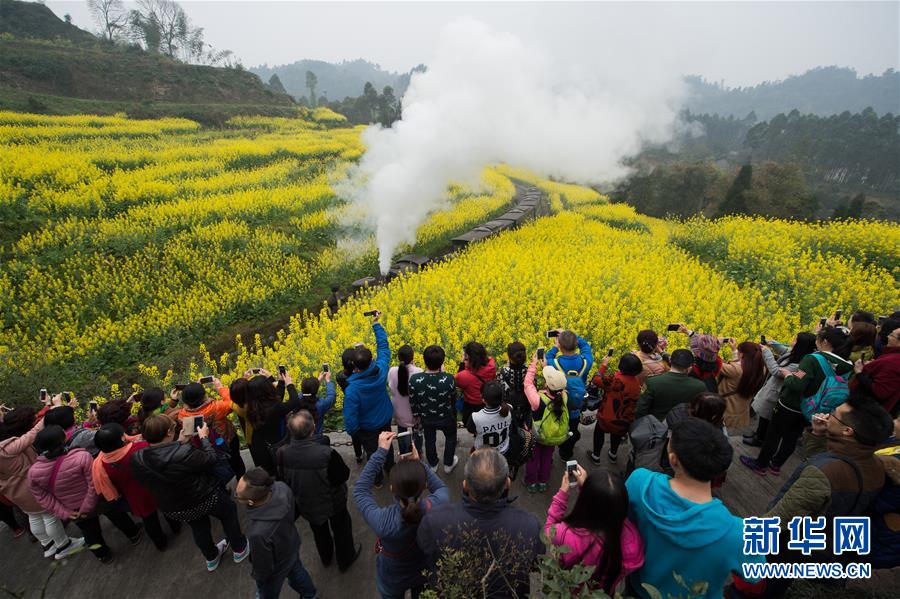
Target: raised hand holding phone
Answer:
[[385, 438], [203, 430], [819, 423]]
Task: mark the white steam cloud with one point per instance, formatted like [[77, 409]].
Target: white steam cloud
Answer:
[[489, 97]]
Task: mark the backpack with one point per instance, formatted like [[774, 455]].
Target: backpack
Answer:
[[648, 436], [551, 429], [574, 382], [832, 393]]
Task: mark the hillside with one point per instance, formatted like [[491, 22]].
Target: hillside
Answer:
[[47, 65], [336, 81], [823, 91]]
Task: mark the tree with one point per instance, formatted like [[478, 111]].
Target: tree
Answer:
[[163, 26], [735, 201], [67, 18], [387, 106], [311, 82], [110, 16], [275, 84]]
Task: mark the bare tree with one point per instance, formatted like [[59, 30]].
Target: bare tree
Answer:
[[110, 16]]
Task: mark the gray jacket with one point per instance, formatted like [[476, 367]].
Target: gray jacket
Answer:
[[767, 397], [274, 540], [317, 475]]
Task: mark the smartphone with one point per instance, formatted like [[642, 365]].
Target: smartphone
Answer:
[[820, 417], [571, 466], [762, 340], [726, 340], [93, 406], [397, 439], [540, 353], [206, 380], [43, 395], [282, 369], [370, 313], [255, 370], [610, 352], [198, 423], [180, 387], [552, 334], [822, 321], [881, 320], [325, 367], [66, 396], [837, 314], [673, 327]]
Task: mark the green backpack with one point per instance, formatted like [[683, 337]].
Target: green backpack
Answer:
[[552, 429]]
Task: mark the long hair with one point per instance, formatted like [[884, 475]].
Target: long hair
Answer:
[[863, 335], [17, 422], [556, 401], [647, 341], [492, 394], [477, 355], [51, 442], [309, 391], [239, 391], [408, 482], [260, 400], [841, 343], [607, 490], [803, 346], [516, 353], [753, 369], [405, 355]]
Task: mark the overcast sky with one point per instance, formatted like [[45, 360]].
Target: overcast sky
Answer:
[[742, 43]]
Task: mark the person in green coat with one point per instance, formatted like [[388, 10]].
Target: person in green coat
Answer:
[[665, 391]]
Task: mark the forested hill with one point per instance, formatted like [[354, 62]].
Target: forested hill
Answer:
[[823, 91], [335, 81]]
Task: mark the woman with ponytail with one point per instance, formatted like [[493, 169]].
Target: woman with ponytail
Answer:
[[550, 414], [416, 489], [398, 383], [493, 424], [833, 344], [739, 381], [604, 539], [648, 352]]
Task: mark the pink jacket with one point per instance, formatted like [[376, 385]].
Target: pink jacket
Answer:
[[73, 490], [587, 547], [16, 457]]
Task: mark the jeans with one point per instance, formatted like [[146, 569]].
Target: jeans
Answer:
[[335, 535], [781, 437], [369, 441], [298, 579], [538, 468], [93, 535], [404, 441], [155, 531], [47, 529], [449, 430], [226, 512], [599, 435], [394, 594], [567, 449]]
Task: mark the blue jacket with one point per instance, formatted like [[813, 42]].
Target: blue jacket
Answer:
[[324, 404], [584, 359], [367, 404], [699, 541], [400, 566]]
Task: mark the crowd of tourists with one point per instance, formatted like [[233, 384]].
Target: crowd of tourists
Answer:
[[155, 462]]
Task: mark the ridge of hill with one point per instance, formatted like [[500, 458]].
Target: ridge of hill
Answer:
[[50, 66], [336, 81]]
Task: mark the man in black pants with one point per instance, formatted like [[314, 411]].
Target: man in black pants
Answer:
[[318, 477]]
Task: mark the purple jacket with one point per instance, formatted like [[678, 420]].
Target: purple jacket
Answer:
[[73, 490]]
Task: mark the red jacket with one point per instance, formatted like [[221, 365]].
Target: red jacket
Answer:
[[138, 497], [882, 377], [73, 490], [470, 382], [620, 396]]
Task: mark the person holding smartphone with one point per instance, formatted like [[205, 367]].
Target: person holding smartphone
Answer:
[[475, 369], [215, 412], [572, 356], [182, 479], [398, 383], [649, 352], [367, 404]]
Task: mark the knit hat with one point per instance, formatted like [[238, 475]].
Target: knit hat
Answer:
[[705, 347], [554, 379]]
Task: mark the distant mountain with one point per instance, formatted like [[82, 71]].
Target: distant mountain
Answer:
[[823, 91], [336, 81], [36, 21]]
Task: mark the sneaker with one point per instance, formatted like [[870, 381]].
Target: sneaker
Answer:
[[137, 538], [449, 469], [73, 546], [542, 487], [211, 565], [239, 557], [773, 469], [533, 488], [49, 549], [595, 459], [752, 441], [18, 532], [752, 465], [612, 455]]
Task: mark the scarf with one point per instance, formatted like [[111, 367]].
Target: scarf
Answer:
[[102, 484]]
